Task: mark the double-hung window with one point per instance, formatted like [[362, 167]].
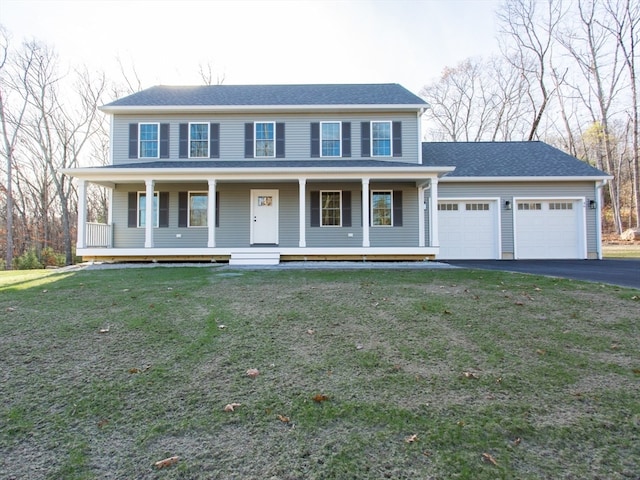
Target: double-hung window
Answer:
[[149, 140], [381, 139], [330, 134], [198, 209], [198, 140], [142, 209], [330, 208], [381, 208], [265, 139]]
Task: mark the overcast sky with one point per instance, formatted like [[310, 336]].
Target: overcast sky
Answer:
[[262, 41]]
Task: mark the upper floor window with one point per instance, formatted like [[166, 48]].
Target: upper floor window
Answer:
[[149, 140], [265, 139], [330, 135], [142, 209], [198, 140], [381, 139]]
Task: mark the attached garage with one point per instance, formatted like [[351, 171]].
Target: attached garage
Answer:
[[549, 229], [469, 229]]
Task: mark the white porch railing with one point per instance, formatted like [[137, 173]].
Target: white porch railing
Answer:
[[99, 235]]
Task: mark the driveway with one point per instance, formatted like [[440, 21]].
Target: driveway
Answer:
[[625, 273]]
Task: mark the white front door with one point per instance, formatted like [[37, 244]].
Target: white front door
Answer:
[[264, 217]]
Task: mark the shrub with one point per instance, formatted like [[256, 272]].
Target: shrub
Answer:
[[50, 258], [28, 261]]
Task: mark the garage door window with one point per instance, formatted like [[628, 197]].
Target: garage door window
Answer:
[[448, 207], [477, 207], [529, 206], [561, 206]]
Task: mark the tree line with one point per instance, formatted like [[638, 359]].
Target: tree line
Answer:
[[566, 74]]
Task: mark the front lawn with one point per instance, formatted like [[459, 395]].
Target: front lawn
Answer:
[[368, 374]]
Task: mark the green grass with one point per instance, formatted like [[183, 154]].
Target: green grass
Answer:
[[468, 361]]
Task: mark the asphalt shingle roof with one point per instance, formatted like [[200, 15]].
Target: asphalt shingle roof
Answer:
[[505, 159], [275, 95]]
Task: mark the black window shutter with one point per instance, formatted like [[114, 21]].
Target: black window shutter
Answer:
[[217, 209], [279, 140], [248, 140], [163, 221], [315, 208], [183, 205], [397, 139], [132, 218], [346, 139], [365, 135], [346, 208], [133, 140], [315, 139], [214, 140], [164, 140], [397, 208], [184, 140]]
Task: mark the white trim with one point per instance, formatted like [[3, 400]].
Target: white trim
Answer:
[[133, 109], [339, 208], [525, 179], [148, 227], [339, 138], [372, 191], [598, 198], [157, 124], [255, 139], [211, 213], [208, 155], [421, 222], [302, 212], [390, 138], [434, 228], [81, 236], [189, 192], [366, 214]]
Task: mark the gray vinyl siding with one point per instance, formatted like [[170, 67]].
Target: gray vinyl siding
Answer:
[[336, 236], [407, 235], [507, 191], [297, 133]]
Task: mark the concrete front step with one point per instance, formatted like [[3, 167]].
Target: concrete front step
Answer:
[[254, 258]]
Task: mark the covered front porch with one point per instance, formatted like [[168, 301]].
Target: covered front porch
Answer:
[[231, 231]]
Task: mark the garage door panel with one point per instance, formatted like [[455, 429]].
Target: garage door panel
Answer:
[[550, 232], [466, 233]]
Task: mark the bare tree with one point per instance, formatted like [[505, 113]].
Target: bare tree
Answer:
[[206, 74], [528, 41]]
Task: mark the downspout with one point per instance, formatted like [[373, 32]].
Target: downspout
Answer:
[[598, 194]]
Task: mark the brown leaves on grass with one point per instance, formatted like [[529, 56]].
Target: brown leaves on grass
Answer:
[[411, 438], [517, 441], [230, 407], [486, 457], [138, 370], [283, 419], [253, 372], [470, 375], [319, 398], [167, 462]]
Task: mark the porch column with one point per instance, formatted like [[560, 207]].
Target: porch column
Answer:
[[365, 212], [82, 214], [302, 242], [149, 217], [433, 214], [211, 214], [421, 209]]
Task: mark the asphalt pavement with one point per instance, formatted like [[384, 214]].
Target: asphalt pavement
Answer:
[[622, 272]]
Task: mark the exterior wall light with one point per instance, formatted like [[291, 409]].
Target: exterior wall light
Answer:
[[507, 205], [592, 204]]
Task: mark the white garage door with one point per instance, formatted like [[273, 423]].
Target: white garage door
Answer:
[[549, 229], [468, 229]]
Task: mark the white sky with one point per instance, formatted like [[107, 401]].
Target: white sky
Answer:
[[261, 41]]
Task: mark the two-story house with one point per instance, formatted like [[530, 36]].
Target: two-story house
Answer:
[[259, 174]]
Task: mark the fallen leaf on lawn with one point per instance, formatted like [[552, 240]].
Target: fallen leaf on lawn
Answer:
[[45, 291], [310, 331], [125, 290], [499, 380], [359, 346], [229, 407], [517, 441], [614, 346], [283, 419], [460, 423], [134, 370], [11, 309], [411, 438], [520, 304], [320, 398], [488, 458], [540, 352], [167, 462], [469, 375], [636, 371], [102, 423], [169, 288], [104, 330], [448, 312], [253, 372], [222, 327]]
